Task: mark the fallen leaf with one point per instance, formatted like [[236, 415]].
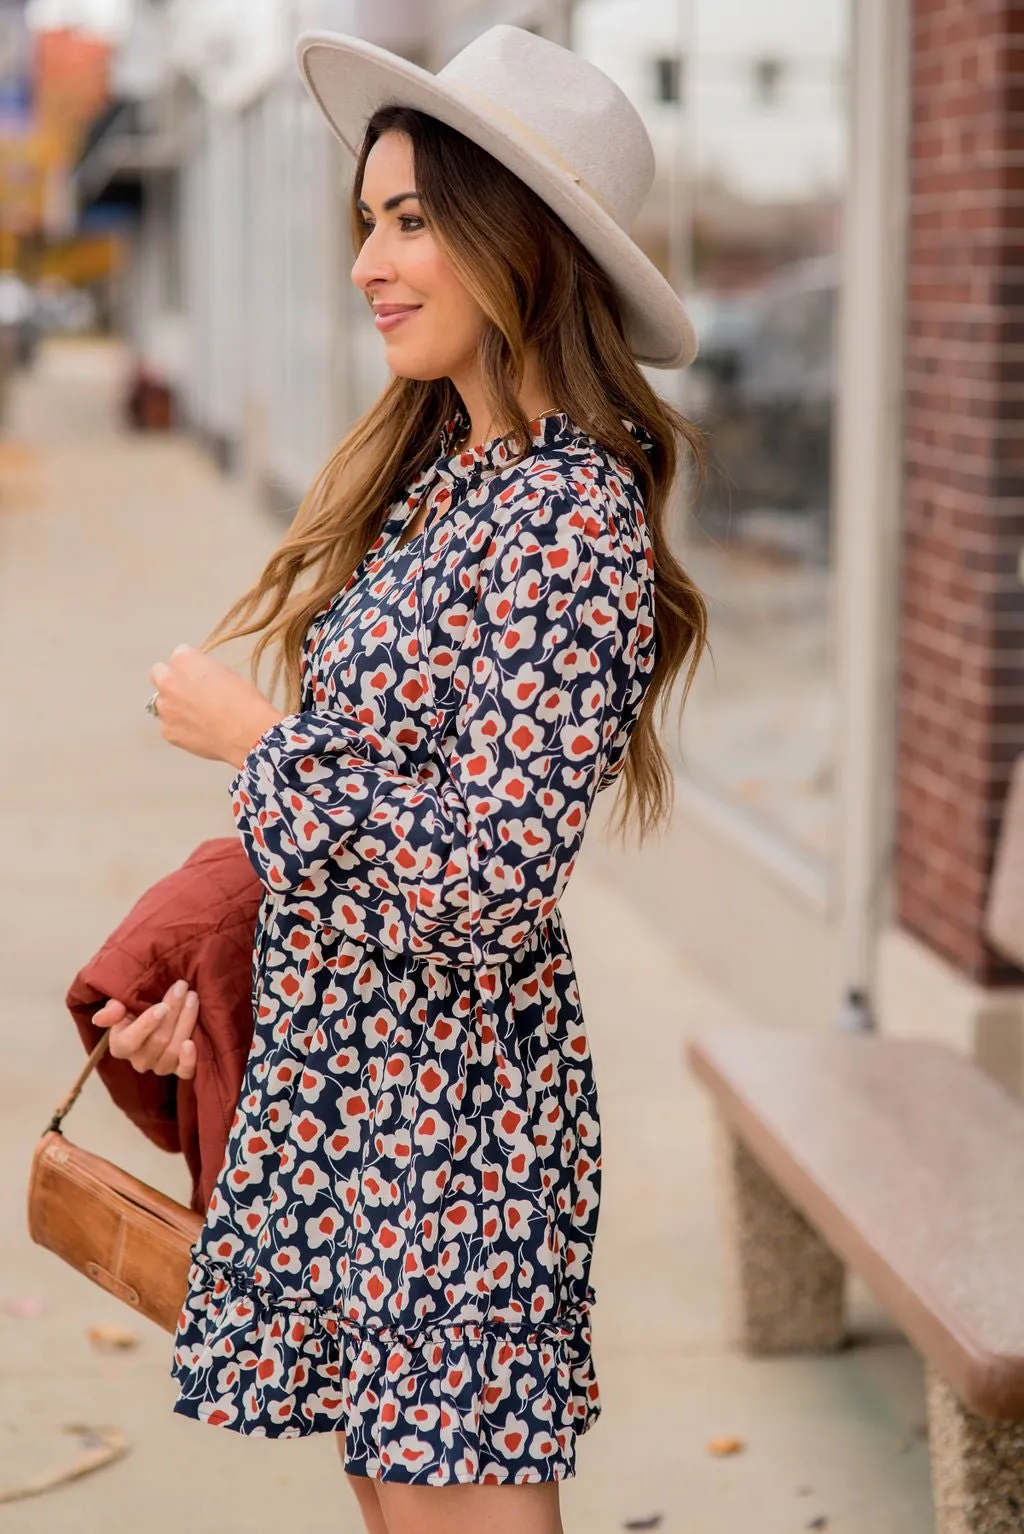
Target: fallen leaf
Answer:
[[27, 1305], [100, 1446], [721, 1447], [653, 1522], [109, 1338]]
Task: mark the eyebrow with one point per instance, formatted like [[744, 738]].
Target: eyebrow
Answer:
[[390, 203]]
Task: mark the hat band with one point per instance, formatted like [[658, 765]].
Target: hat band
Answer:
[[534, 140]]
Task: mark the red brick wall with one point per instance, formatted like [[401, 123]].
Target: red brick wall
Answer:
[[961, 716]]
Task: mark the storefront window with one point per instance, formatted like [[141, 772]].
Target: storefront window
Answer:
[[746, 110]]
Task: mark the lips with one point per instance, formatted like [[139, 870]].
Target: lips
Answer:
[[387, 316]]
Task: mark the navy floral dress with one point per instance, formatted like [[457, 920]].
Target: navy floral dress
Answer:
[[398, 1246]]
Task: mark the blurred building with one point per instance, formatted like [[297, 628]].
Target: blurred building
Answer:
[[15, 67], [20, 171], [835, 197], [52, 85]]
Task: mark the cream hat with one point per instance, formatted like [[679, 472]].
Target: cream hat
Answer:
[[557, 121]]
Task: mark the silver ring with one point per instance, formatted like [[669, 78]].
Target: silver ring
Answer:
[[151, 705]]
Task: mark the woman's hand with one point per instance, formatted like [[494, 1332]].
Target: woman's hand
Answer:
[[206, 708], [159, 1039]]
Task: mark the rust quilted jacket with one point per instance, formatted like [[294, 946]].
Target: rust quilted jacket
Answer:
[[196, 924]]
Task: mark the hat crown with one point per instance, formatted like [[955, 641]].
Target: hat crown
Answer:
[[577, 115]]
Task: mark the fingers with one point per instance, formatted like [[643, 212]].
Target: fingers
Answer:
[[153, 1046], [160, 673], [187, 1060], [142, 1040], [127, 1036], [159, 1039], [180, 1034], [111, 1012]]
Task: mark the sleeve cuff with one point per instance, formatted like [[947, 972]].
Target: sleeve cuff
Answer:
[[259, 745]]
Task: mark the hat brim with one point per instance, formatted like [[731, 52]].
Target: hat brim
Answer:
[[349, 79]]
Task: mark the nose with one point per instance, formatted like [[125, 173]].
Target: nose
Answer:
[[370, 265]]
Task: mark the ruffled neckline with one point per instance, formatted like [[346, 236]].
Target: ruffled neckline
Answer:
[[547, 430], [554, 426]]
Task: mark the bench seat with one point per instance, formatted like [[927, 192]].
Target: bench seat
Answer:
[[904, 1162]]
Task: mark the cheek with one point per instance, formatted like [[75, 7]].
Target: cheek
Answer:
[[455, 318]]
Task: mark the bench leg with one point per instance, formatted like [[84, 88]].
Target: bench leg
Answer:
[[977, 1467], [786, 1286]]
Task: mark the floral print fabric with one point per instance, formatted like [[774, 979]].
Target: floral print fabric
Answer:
[[398, 1246]]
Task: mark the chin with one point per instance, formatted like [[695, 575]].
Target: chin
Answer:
[[423, 369], [416, 357]]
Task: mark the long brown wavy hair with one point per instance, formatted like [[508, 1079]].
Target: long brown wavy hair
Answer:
[[538, 288]]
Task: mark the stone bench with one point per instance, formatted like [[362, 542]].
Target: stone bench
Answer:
[[904, 1162]]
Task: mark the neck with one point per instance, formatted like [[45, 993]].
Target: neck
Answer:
[[534, 398]]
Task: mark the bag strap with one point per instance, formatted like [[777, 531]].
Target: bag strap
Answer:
[[90, 1065]]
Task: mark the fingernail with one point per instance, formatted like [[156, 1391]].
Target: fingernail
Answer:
[[160, 1010], [178, 989], [191, 999]]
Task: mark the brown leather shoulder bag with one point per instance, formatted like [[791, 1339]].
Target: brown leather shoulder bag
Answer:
[[132, 1240]]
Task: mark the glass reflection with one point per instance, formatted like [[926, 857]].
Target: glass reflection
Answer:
[[746, 108]]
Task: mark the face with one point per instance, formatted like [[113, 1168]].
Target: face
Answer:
[[429, 323]]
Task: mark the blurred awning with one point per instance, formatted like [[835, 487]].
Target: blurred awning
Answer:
[[122, 145]]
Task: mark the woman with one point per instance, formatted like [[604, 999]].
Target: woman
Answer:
[[476, 614]]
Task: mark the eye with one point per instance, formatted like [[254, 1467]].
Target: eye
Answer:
[[405, 219]]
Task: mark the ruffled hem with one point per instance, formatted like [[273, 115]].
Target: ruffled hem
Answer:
[[453, 1404]]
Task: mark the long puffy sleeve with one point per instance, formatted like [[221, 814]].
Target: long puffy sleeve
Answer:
[[462, 864]]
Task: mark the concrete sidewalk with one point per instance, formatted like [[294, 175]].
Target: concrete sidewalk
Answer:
[[114, 548]]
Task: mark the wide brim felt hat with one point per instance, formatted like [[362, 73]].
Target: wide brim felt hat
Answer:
[[553, 119]]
